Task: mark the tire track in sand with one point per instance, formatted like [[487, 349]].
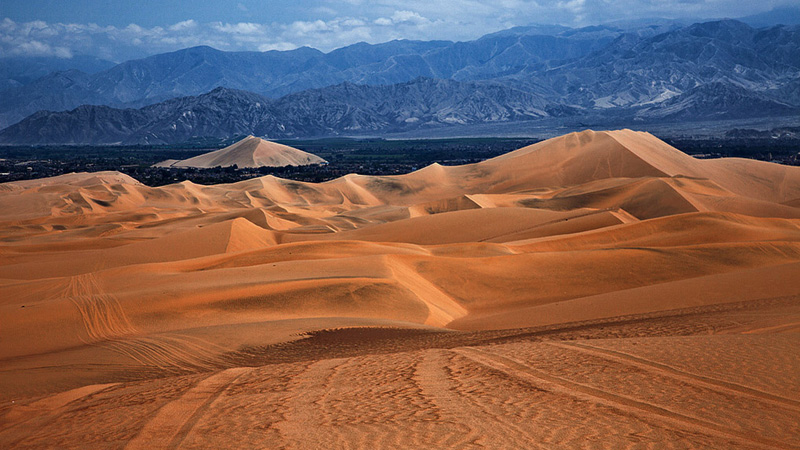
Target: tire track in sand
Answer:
[[305, 424], [174, 421], [107, 325], [773, 329], [436, 384], [41, 413], [687, 377], [557, 384], [102, 315], [170, 353]]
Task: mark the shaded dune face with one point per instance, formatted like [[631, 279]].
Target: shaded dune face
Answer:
[[103, 278]]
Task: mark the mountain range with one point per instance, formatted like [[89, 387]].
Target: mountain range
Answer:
[[197, 70], [341, 109], [647, 72], [16, 71]]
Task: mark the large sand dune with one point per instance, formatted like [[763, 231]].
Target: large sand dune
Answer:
[[249, 152], [599, 289]]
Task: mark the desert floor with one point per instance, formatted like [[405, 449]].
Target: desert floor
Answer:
[[596, 290]]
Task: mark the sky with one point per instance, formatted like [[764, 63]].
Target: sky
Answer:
[[118, 30]]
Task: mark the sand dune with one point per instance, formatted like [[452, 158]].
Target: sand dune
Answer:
[[633, 296], [249, 152], [474, 225]]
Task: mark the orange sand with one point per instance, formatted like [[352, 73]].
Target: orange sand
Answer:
[[249, 152], [640, 298]]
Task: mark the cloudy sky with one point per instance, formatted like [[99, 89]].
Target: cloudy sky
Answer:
[[121, 29]]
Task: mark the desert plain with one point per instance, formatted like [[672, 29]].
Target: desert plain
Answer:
[[595, 290]]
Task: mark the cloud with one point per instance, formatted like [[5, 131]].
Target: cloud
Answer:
[[281, 46], [325, 32], [330, 24], [576, 8], [353, 22], [408, 16], [37, 48], [31, 39], [133, 41], [402, 17], [243, 28], [303, 28], [185, 25]]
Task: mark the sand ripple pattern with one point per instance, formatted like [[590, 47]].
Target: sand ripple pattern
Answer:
[[524, 395], [707, 406], [107, 325]]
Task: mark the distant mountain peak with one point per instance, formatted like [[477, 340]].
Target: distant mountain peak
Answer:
[[715, 27], [202, 48]]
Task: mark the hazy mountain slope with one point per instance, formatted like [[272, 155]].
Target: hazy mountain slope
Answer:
[[786, 15], [422, 102], [221, 112], [54, 92], [199, 69], [632, 71], [718, 100], [340, 109], [17, 71], [84, 124]]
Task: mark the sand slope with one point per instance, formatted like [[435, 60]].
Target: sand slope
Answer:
[[304, 303], [249, 152]]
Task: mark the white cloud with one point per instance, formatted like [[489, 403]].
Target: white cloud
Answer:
[[239, 28], [331, 24], [7, 25], [282, 46], [133, 28], [31, 39], [353, 22], [408, 16], [403, 17], [301, 27], [185, 25], [37, 48]]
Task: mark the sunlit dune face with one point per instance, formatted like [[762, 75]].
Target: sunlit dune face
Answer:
[[249, 152]]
